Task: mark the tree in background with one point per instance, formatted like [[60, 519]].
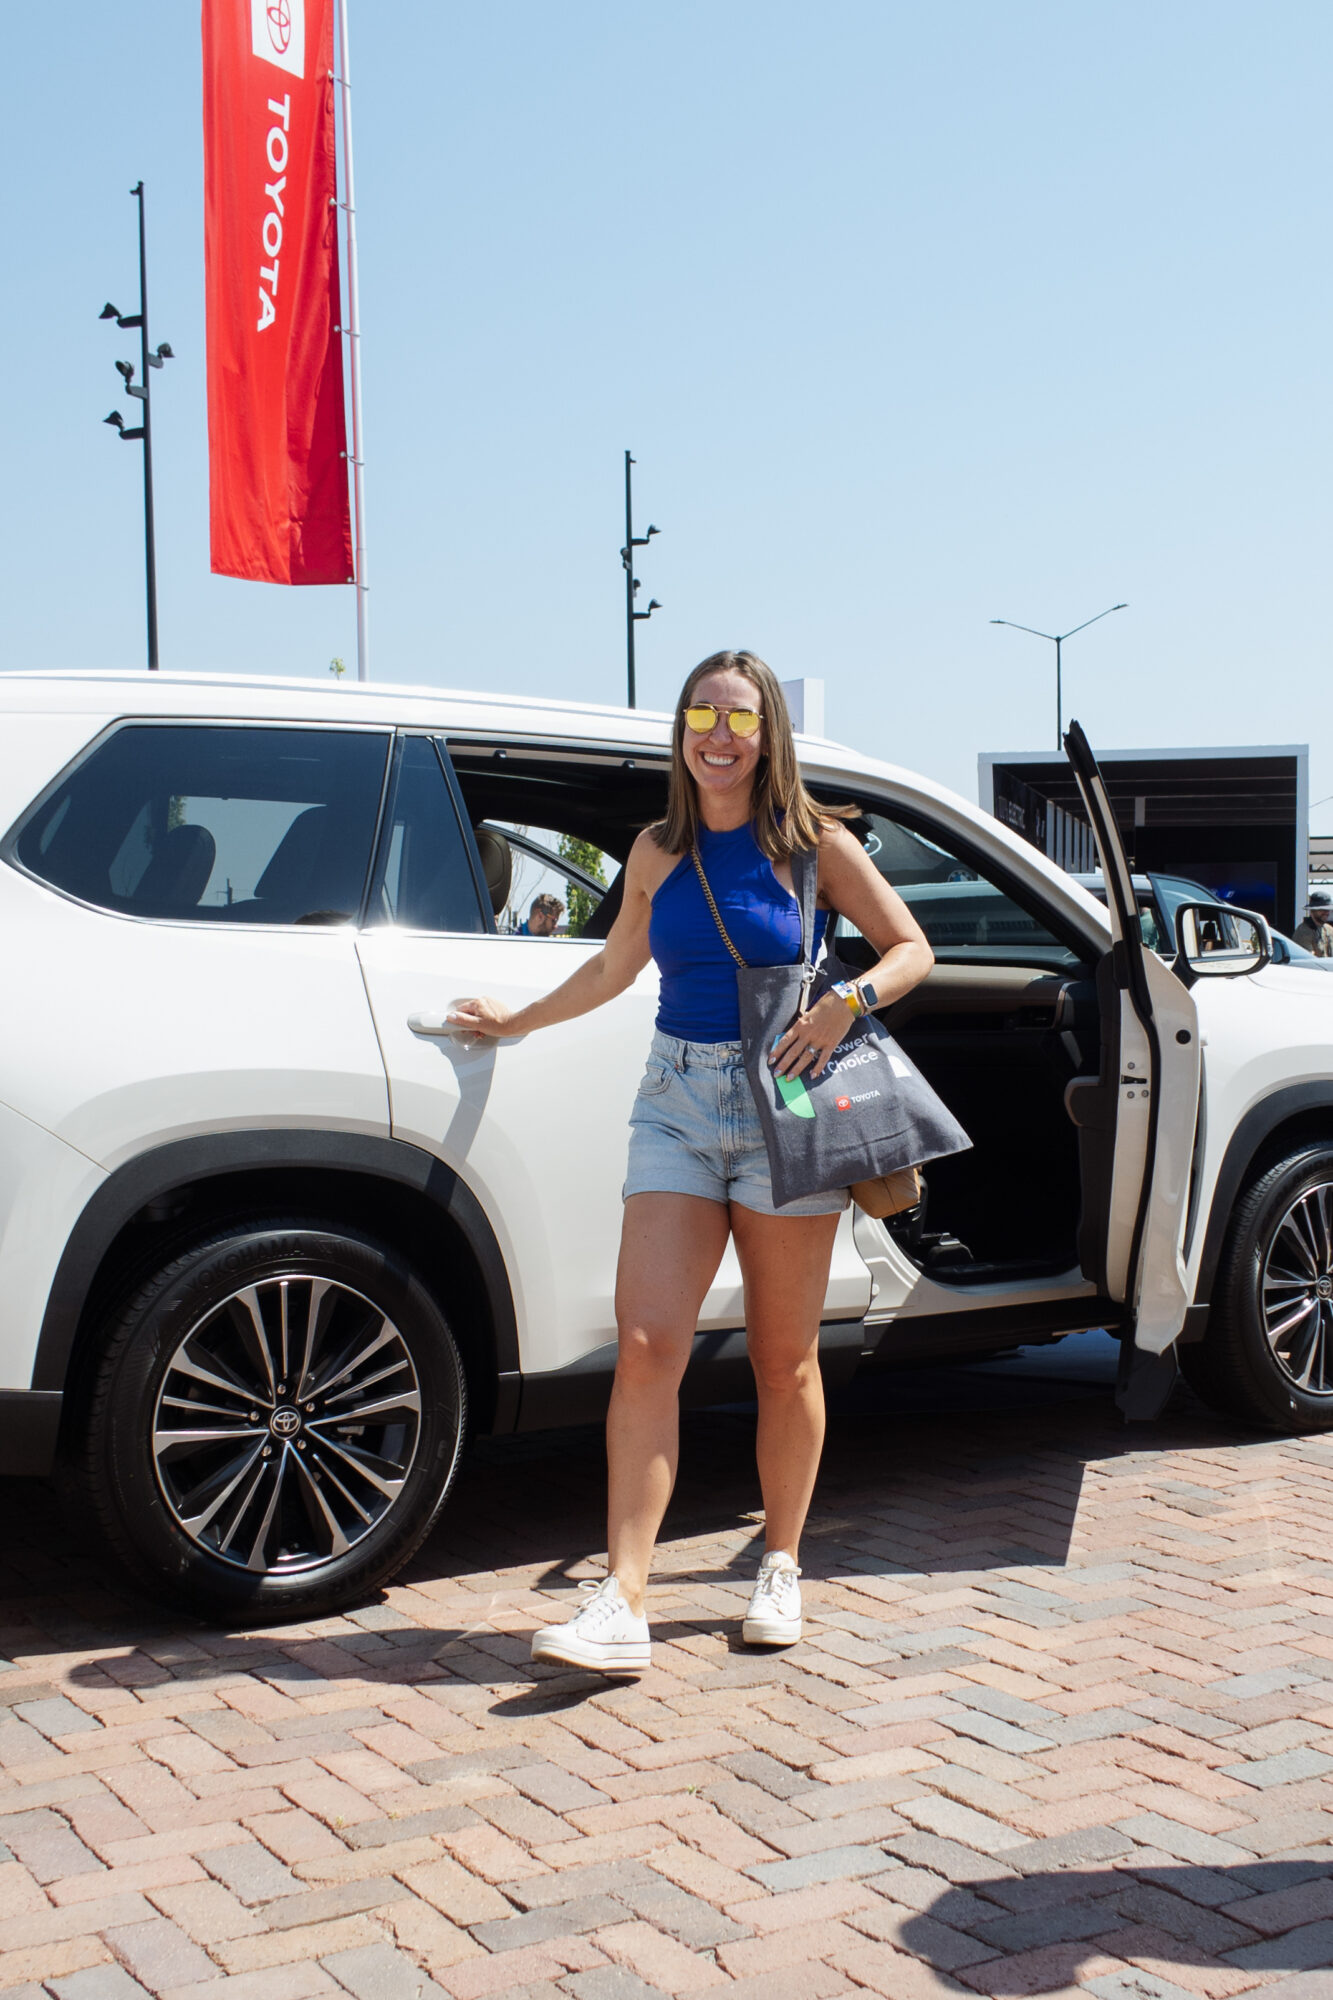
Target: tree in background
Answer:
[[591, 860]]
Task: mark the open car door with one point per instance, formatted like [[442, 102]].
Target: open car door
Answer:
[[1136, 1121]]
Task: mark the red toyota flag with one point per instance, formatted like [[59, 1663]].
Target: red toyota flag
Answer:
[[277, 437]]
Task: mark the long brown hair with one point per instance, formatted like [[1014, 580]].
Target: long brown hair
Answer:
[[783, 814]]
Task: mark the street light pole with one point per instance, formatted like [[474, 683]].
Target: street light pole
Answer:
[[632, 617], [1058, 639], [144, 431]]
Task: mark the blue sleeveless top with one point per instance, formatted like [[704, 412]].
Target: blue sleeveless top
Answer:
[[699, 1001]]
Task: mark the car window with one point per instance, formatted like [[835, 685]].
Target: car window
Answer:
[[247, 824], [544, 863], [425, 881], [967, 918]]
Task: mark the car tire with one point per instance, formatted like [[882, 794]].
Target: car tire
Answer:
[[1267, 1356], [274, 1423]]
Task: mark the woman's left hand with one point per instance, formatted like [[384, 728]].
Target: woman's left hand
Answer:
[[812, 1038]]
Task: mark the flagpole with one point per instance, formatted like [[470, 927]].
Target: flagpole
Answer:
[[353, 331]]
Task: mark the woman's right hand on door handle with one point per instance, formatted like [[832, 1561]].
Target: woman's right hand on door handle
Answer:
[[481, 1017]]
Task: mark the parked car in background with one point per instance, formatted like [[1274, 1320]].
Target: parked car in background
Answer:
[[1160, 896], [274, 1238]]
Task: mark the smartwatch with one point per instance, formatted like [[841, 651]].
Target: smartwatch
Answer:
[[868, 994]]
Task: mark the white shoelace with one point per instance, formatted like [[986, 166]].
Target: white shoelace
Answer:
[[770, 1582], [601, 1606]]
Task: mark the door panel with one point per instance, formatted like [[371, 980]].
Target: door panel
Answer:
[[1144, 1106]]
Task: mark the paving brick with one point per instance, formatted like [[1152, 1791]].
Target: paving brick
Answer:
[[831, 1864], [1297, 1950], [303, 1942], [1301, 1986], [1282, 1769], [323, 1906], [45, 1845], [251, 1872], [56, 1717], [160, 1954], [1137, 1985], [659, 1960], [277, 1982], [205, 1910], [951, 1821], [380, 1972], [1285, 1909], [98, 1982], [604, 1982], [801, 1982], [580, 1913]]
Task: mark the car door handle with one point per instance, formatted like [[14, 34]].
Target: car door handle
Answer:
[[436, 1027]]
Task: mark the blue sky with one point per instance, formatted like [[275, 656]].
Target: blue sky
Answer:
[[914, 316]]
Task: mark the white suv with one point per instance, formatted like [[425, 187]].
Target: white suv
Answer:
[[272, 1239]]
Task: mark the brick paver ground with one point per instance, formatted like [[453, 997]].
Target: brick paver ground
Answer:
[[1063, 1724]]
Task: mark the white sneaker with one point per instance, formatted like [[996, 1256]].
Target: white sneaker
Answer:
[[774, 1617], [604, 1636]]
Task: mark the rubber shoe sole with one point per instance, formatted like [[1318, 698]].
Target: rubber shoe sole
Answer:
[[772, 1631], [615, 1656]]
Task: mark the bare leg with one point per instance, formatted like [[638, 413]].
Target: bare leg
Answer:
[[670, 1248], [785, 1260]]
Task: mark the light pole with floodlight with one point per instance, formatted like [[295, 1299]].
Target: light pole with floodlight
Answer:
[[142, 432], [1059, 640], [633, 617]]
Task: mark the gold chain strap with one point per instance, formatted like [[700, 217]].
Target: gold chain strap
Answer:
[[703, 883]]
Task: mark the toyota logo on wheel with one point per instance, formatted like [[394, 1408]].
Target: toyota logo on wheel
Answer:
[[285, 1423]]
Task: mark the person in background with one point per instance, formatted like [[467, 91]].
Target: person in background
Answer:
[[543, 917], [1315, 930]]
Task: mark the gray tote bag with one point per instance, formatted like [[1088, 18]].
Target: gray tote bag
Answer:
[[869, 1113]]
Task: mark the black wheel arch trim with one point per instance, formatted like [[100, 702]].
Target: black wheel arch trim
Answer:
[[1283, 1107], [183, 1163]]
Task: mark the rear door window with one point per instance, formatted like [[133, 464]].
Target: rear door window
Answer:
[[246, 824]]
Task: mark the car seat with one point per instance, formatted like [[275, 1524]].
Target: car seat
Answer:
[[177, 874], [497, 864]]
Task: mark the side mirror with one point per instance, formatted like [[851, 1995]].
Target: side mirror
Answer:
[[1215, 941]]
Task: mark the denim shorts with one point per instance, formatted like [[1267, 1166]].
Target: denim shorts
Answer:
[[694, 1129]]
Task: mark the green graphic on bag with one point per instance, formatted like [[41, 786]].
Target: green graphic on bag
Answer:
[[792, 1091]]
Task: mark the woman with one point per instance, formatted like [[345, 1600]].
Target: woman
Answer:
[[698, 1171]]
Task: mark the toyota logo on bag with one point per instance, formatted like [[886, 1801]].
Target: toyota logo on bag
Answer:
[[844, 1104], [277, 33]]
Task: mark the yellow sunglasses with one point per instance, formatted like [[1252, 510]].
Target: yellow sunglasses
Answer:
[[703, 717]]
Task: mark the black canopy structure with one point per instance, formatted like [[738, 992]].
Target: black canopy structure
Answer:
[[1235, 820]]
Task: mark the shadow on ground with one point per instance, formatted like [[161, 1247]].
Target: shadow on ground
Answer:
[[1220, 1921], [928, 1471]]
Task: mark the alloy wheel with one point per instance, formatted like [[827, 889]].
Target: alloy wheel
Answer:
[[1296, 1292], [287, 1424]]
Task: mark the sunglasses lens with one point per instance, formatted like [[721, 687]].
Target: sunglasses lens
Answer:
[[701, 720], [743, 721]]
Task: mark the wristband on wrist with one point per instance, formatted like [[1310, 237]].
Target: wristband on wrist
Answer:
[[848, 991]]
